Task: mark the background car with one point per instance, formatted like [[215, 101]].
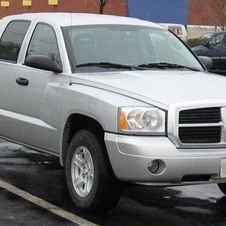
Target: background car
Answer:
[[214, 48], [206, 35], [200, 40], [177, 29]]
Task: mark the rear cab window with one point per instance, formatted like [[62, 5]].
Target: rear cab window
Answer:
[[11, 40]]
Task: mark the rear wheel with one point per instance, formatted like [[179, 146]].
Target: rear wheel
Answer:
[[90, 180]]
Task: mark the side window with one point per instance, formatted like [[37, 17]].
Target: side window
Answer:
[[216, 39], [44, 42], [11, 40]]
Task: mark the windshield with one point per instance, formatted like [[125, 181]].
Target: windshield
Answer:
[[126, 45]]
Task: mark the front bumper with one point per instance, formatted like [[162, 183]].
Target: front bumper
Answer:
[[130, 157]]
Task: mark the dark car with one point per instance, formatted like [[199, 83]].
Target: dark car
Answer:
[[214, 48], [192, 42], [207, 35]]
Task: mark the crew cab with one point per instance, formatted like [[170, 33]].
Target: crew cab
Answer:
[[116, 99]]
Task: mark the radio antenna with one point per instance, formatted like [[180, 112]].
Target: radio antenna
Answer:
[[70, 36]]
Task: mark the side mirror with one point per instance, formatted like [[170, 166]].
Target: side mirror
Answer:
[[205, 42], [207, 61], [43, 62]]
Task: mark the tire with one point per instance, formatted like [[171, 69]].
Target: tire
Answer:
[[222, 187], [90, 179]]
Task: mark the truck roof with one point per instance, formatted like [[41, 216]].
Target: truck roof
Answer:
[[68, 19]]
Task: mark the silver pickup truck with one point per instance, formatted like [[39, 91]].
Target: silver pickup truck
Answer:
[[117, 99]]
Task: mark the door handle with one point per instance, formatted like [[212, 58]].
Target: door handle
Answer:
[[22, 81]]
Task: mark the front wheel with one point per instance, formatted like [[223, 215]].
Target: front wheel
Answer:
[[90, 179]]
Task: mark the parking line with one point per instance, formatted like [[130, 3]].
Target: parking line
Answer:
[[46, 205]]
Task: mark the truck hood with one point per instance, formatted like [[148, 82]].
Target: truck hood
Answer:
[[160, 88]]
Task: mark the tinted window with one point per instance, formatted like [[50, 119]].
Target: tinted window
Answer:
[[12, 39], [44, 42]]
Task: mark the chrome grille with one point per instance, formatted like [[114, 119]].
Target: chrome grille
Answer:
[[200, 126]]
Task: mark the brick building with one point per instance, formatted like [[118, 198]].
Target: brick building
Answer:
[[207, 12], [187, 12], [9, 7]]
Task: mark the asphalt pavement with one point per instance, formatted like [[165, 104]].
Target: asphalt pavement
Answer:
[[33, 192]]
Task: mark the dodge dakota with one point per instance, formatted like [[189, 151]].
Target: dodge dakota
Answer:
[[118, 100]]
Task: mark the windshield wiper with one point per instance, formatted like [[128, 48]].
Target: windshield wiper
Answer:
[[163, 65], [109, 65]]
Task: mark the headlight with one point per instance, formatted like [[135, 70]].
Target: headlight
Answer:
[[142, 119]]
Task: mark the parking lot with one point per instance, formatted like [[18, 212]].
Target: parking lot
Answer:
[[33, 191]]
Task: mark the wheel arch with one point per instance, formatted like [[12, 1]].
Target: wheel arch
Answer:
[[74, 123]]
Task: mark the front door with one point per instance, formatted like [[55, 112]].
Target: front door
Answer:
[[35, 98], [217, 50]]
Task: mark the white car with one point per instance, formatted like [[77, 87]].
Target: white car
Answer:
[[177, 29]]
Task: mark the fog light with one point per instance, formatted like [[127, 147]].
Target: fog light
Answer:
[[153, 166]]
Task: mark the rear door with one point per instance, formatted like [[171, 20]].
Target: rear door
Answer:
[[10, 44]]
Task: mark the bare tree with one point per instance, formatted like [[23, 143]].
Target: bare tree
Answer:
[[102, 4], [219, 6], [209, 12]]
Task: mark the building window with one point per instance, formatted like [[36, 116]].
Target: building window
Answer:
[[53, 2], [27, 2], [4, 3]]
